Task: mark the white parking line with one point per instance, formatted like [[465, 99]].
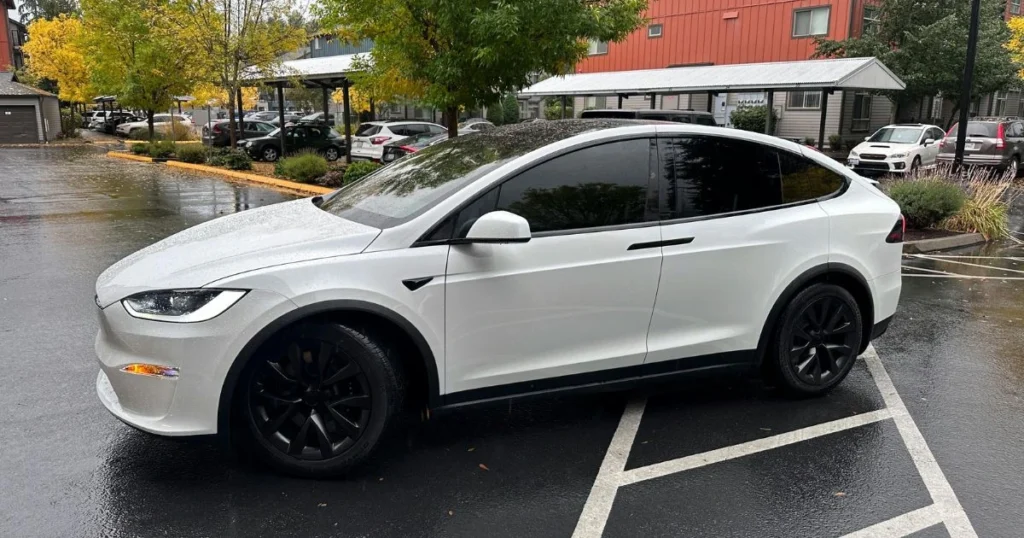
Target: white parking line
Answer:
[[933, 271], [947, 260], [946, 508], [966, 277], [942, 493]]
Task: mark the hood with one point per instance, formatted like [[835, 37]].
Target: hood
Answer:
[[885, 148], [274, 235]]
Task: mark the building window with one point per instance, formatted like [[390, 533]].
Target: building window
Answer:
[[871, 20], [654, 30], [597, 47], [811, 22], [999, 107], [1015, 7], [803, 100], [861, 112], [937, 103]]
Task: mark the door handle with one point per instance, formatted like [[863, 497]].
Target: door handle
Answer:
[[659, 244]]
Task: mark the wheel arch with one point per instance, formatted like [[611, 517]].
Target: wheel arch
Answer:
[[832, 273], [336, 309]]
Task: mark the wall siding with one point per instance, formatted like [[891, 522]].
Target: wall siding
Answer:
[[805, 123]]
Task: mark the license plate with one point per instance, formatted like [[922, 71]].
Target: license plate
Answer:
[[854, 162], [970, 147]]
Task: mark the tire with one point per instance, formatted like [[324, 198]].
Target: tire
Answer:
[[286, 417], [1013, 168], [813, 349], [914, 166], [332, 154], [269, 154]]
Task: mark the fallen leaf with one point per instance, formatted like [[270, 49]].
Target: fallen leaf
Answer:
[[840, 494], [471, 449], [450, 513], [321, 505], [484, 467], [381, 479]]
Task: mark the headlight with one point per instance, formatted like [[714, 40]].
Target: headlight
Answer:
[[244, 143], [181, 306], [854, 155], [898, 156]]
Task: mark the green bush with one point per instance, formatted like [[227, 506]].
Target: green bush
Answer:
[[140, 133], [810, 141], [752, 118], [191, 153], [357, 170], [140, 148], [303, 168], [510, 108], [234, 159], [835, 142], [553, 109], [161, 150], [927, 202]]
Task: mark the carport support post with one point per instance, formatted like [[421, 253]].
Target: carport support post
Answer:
[[654, 98], [327, 108], [564, 98], [711, 101], [280, 115], [620, 101], [821, 124], [346, 117], [768, 127]]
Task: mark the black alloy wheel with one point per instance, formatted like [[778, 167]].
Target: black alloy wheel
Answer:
[[819, 339], [318, 399]]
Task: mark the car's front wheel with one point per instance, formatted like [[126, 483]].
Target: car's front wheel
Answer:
[[817, 340], [319, 399], [269, 154], [332, 154]]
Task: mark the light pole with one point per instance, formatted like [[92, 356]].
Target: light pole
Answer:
[[968, 83]]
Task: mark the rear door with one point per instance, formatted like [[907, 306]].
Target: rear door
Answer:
[[575, 299], [740, 222], [931, 151]]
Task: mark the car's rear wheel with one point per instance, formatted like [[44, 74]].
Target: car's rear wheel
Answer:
[[817, 340], [331, 154], [269, 154], [318, 400], [1013, 168]]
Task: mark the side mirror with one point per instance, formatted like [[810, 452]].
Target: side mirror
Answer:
[[929, 141], [497, 227], [866, 138]]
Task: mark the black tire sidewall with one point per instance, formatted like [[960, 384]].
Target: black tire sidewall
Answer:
[[780, 357], [382, 383]]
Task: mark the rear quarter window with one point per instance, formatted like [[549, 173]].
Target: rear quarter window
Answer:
[[368, 130]]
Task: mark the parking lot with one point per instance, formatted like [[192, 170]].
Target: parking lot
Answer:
[[924, 439]]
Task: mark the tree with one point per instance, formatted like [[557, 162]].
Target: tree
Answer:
[[134, 52], [238, 39], [510, 108], [469, 53], [495, 113], [34, 10], [925, 43], [56, 53]]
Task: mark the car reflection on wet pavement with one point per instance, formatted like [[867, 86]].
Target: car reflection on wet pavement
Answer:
[[955, 355]]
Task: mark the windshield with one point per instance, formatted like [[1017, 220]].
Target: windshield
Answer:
[[897, 135], [410, 186]]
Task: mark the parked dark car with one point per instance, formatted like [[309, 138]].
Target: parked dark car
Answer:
[[991, 142], [400, 148], [218, 133], [678, 116], [289, 118], [114, 119], [299, 137]]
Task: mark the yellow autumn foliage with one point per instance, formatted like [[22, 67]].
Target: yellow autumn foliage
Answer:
[[56, 52]]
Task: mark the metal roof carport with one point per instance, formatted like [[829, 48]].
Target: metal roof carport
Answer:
[[825, 75]]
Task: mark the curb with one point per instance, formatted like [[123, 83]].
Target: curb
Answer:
[[942, 243], [129, 157], [292, 186]]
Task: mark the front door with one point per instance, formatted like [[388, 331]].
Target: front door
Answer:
[[577, 298], [740, 222]]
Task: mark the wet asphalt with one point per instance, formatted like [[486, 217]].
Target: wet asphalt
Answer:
[[67, 468]]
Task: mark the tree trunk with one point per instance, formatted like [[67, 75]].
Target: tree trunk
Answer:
[[451, 118], [149, 122], [231, 118]]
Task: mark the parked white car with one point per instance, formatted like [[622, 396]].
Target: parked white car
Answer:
[[896, 149], [527, 259], [368, 141], [161, 123]]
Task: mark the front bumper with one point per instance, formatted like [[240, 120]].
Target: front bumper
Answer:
[[203, 352], [893, 166]]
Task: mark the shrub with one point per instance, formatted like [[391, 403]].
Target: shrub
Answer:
[[191, 153], [852, 143], [140, 148], [161, 150], [234, 159], [835, 142], [926, 202], [985, 211], [553, 109], [810, 141], [140, 133], [304, 167], [752, 118], [357, 170], [333, 178]]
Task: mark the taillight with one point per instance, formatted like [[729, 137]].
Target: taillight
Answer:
[[896, 235], [1000, 137], [407, 149], [216, 128], [378, 140], [942, 142]]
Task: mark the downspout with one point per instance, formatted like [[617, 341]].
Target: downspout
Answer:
[[42, 120]]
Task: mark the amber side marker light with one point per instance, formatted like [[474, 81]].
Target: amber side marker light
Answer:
[[152, 370]]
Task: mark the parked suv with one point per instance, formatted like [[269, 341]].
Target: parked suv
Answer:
[[320, 139], [678, 116], [526, 259], [991, 142], [368, 141], [896, 149]]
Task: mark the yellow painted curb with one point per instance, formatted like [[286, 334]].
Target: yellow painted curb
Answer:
[[129, 156], [301, 188]]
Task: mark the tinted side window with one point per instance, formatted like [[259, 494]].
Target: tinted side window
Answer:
[[598, 186], [803, 179], [434, 129]]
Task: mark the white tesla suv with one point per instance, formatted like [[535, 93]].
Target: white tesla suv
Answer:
[[526, 259]]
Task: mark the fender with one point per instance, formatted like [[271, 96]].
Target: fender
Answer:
[[231, 380], [816, 273]]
